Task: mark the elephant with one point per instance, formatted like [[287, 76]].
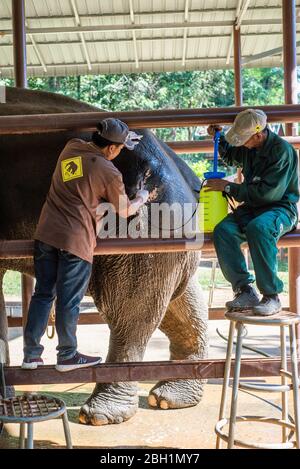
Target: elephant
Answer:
[[135, 293]]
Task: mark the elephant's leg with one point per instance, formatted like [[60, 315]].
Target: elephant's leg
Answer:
[[185, 324], [118, 402]]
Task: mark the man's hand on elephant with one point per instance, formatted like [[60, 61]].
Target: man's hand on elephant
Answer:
[[215, 185], [213, 128], [143, 194]]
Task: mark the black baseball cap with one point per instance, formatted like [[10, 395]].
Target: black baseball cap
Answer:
[[117, 131]]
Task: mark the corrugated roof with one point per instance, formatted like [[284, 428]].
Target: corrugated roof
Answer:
[[72, 37]]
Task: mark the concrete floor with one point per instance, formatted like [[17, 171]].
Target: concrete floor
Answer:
[[151, 428]]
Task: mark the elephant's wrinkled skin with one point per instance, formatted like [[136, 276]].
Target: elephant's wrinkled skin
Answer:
[[135, 293]]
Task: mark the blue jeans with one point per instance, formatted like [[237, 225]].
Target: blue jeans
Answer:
[[61, 275]]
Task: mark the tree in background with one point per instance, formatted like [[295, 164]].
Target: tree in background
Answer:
[[176, 90]]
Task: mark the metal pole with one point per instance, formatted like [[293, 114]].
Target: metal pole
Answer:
[[289, 56], [238, 87], [235, 385], [295, 382], [290, 91], [225, 387], [27, 290], [20, 68], [19, 43], [24, 248], [165, 118]]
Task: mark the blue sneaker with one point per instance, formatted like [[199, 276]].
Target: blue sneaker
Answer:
[[78, 361]]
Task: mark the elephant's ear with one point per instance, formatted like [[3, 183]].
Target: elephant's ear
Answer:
[[192, 180]]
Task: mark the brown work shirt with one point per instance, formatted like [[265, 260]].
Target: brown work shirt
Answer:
[[82, 179]]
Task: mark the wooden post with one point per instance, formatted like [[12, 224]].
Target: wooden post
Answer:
[[238, 85], [27, 283], [290, 90], [19, 43], [20, 70]]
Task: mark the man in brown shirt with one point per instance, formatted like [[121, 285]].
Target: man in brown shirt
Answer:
[[65, 237]]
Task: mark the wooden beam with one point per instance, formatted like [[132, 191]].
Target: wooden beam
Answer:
[[22, 249], [207, 146], [143, 371], [36, 123]]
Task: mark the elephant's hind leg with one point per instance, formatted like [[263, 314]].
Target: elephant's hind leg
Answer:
[[185, 324]]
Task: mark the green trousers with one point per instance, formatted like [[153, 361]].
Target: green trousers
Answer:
[[261, 230]]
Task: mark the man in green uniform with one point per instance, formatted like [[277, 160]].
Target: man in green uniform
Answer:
[[268, 197]]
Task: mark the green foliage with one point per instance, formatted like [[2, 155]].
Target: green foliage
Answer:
[[200, 167], [12, 283], [176, 90], [263, 86]]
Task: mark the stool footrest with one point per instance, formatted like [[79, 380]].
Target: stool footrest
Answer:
[[266, 387], [287, 445]]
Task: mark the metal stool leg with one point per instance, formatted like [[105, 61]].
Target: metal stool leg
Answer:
[[22, 436], [67, 430], [226, 377], [284, 395], [295, 381], [212, 282], [235, 387], [29, 441]]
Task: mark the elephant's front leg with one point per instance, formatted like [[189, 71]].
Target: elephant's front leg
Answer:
[[185, 324], [117, 402]]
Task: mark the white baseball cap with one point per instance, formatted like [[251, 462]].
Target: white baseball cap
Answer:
[[246, 124]]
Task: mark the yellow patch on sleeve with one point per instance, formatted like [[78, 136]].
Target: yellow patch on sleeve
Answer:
[[71, 168]]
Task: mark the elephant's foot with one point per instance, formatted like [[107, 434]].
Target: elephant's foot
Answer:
[[110, 403], [176, 394]]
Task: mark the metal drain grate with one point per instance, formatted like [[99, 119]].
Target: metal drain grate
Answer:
[[29, 406]]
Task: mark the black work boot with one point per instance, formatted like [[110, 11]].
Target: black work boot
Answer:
[[245, 298], [270, 304]]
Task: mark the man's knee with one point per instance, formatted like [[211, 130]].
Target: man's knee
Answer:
[[258, 229]]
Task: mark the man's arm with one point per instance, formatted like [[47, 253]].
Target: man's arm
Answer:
[[233, 156], [266, 190], [117, 196]]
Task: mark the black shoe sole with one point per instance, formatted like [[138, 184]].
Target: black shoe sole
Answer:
[[267, 314]]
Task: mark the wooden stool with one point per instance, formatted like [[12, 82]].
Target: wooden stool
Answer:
[[237, 320]]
